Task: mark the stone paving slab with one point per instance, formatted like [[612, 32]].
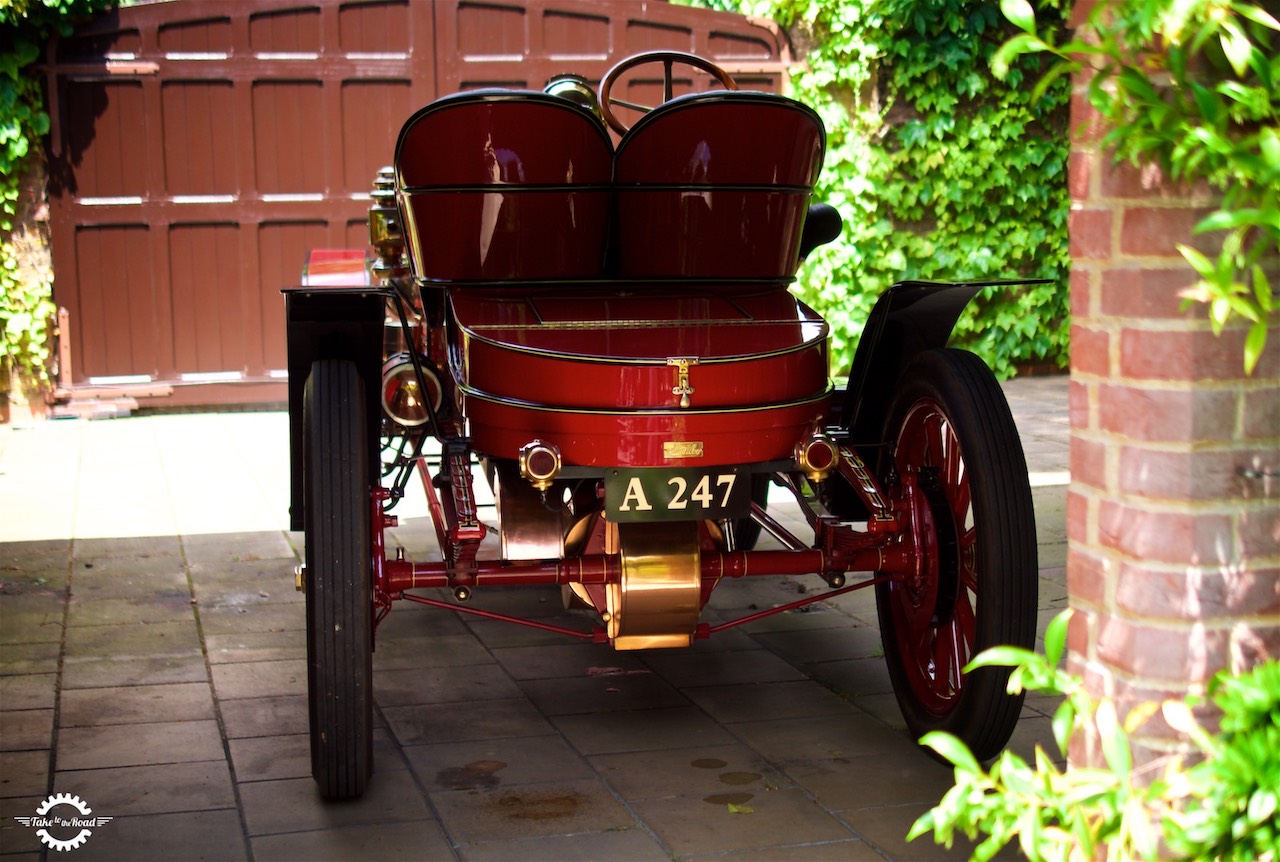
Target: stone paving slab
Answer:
[[541, 809], [152, 663], [391, 842], [211, 834]]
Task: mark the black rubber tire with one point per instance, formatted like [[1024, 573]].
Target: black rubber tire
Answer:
[[984, 581], [339, 588]]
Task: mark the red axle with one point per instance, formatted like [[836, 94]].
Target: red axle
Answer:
[[400, 575]]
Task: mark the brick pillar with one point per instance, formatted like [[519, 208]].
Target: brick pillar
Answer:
[[1173, 513]]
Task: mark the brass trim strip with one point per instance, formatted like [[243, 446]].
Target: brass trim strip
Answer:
[[702, 187], [638, 323], [504, 186], [499, 187], [469, 392], [603, 282], [656, 362]]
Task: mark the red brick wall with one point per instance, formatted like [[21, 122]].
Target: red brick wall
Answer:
[[1174, 536]]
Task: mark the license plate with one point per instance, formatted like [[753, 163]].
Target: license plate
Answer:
[[676, 494]]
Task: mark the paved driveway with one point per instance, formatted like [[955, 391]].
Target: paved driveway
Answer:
[[152, 660]]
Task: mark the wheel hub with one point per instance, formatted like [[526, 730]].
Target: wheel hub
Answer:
[[945, 550]]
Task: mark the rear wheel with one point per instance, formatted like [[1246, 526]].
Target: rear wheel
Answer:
[[950, 431], [338, 580]]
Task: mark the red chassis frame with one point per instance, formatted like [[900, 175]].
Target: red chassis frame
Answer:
[[836, 550], [897, 543]]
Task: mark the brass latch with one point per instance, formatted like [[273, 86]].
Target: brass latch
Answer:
[[682, 387]]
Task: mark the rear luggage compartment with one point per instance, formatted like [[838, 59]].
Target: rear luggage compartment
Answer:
[[662, 374]]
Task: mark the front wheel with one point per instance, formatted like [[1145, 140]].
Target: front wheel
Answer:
[[952, 437], [338, 580]]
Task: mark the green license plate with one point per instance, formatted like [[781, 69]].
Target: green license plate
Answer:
[[677, 494]]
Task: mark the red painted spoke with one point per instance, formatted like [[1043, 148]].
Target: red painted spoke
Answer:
[[955, 480], [966, 621], [968, 554], [934, 447], [947, 663], [959, 653], [960, 500], [921, 651], [917, 636], [952, 464]]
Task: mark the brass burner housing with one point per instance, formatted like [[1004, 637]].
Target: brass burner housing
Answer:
[[659, 598]]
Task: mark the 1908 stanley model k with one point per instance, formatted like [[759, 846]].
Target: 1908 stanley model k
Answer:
[[600, 326]]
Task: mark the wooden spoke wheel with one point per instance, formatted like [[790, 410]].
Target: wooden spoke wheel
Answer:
[[951, 434]]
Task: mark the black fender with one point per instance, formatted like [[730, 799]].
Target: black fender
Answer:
[[332, 323], [908, 318]]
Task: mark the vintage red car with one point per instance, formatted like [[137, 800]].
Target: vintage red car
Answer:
[[595, 320]]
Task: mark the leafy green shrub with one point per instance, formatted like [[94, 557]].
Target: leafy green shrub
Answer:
[[25, 309], [1226, 806], [1231, 800], [1194, 87], [25, 313], [940, 170]]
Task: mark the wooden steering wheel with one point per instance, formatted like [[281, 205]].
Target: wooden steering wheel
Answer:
[[667, 59]]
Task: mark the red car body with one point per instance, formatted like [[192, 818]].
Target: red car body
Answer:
[[601, 326]]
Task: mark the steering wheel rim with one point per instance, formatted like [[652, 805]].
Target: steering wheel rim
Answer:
[[668, 59]]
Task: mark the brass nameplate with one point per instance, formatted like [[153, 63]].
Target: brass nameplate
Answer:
[[682, 449]]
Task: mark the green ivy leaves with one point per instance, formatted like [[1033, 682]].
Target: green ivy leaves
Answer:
[[25, 313], [1194, 87], [1020, 14], [1226, 806], [25, 309]]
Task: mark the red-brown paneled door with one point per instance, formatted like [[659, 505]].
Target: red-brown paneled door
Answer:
[[200, 149]]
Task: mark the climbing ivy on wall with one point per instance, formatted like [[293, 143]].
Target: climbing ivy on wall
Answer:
[[1192, 86], [940, 170], [25, 306]]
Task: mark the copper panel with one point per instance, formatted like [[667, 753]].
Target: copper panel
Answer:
[[529, 528]]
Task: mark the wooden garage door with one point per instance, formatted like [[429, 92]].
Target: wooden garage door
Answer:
[[200, 148]]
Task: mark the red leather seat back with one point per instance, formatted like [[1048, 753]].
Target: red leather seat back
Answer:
[[504, 185], [716, 185]]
